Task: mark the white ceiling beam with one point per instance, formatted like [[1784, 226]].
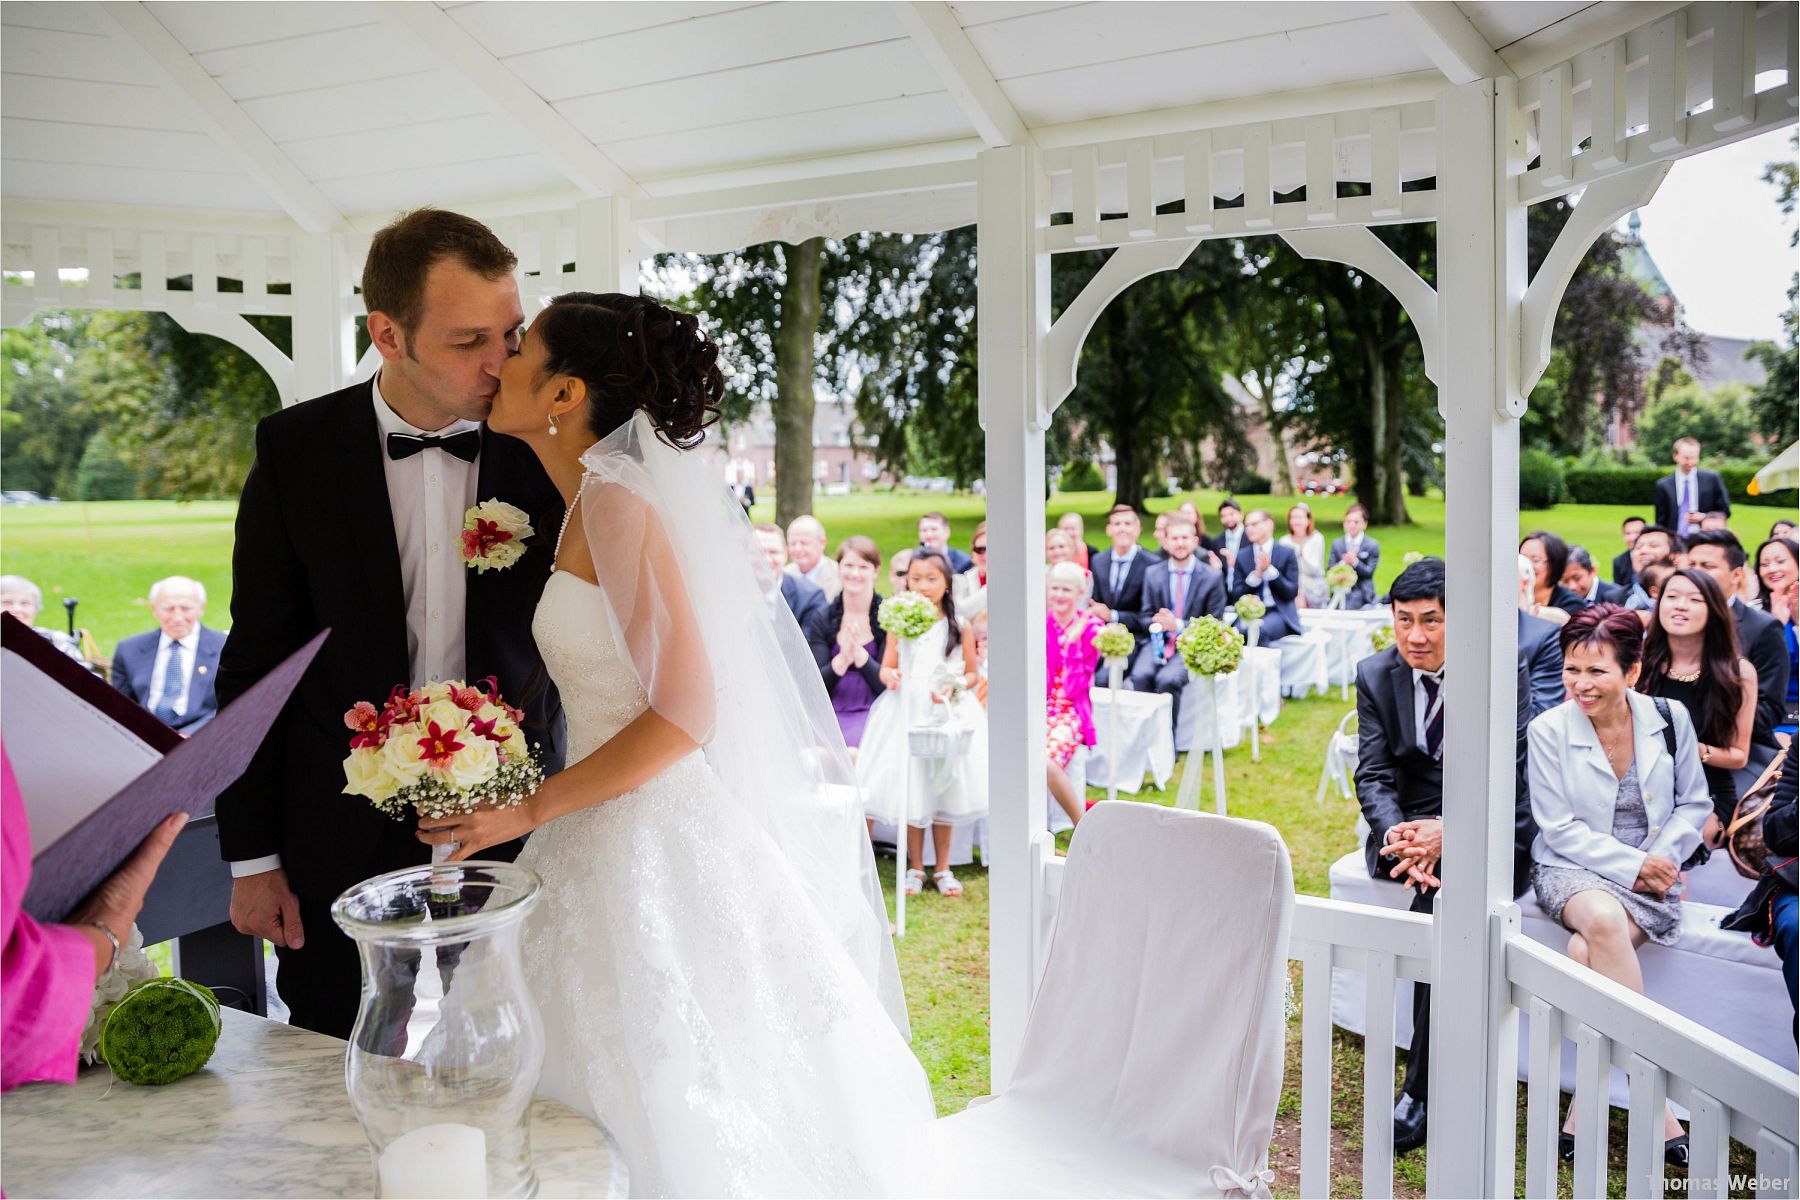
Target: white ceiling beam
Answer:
[[585, 164], [1452, 43], [225, 121], [939, 36]]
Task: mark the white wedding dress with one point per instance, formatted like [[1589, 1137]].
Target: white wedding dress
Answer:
[[714, 1025]]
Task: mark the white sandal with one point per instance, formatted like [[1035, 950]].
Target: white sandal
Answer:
[[915, 881], [946, 883]]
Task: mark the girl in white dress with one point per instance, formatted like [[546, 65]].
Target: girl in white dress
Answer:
[[901, 790], [710, 952]]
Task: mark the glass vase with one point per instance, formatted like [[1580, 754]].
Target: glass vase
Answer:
[[448, 1044]]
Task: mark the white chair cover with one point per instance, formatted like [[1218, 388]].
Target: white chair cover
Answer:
[[1146, 740], [1152, 1059], [1304, 663], [1340, 761]]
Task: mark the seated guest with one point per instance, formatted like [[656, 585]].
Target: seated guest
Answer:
[[1528, 573], [1583, 578], [978, 625], [971, 585], [847, 639], [1229, 541], [1270, 571], [22, 598], [1162, 523], [1069, 679], [1770, 914], [1176, 591], [1072, 524], [49, 972], [1691, 655], [1357, 549], [1308, 544], [1778, 568], [804, 597], [1620, 800], [171, 672], [1119, 573], [1653, 544], [1782, 529], [934, 534], [1400, 784], [1623, 573], [1540, 649], [897, 569], [806, 555], [1189, 509], [1549, 557], [1713, 520], [1721, 555], [1651, 577]]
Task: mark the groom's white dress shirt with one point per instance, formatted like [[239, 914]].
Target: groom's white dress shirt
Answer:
[[190, 646], [428, 493]]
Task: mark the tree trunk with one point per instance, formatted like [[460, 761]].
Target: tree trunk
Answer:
[[794, 374], [1127, 445], [1265, 399], [1383, 490]]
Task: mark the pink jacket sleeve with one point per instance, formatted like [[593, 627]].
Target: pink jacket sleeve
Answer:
[[46, 971]]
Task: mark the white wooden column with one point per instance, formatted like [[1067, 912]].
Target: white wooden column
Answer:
[[609, 254], [324, 323], [1481, 281], [1014, 314]]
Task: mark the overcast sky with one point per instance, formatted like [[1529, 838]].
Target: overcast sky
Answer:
[[1721, 242]]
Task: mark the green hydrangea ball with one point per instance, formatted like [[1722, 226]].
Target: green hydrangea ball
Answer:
[[161, 1031]]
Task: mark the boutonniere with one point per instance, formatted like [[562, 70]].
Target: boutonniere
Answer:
[[494, 535]]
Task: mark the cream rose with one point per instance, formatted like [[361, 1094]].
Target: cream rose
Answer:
[[400, 756], [449, 718], [473, 765], [365, 775]]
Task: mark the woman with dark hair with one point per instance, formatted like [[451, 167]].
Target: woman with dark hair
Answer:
[[847, 639], [709, 951], [1691, 656], [1778, 569], [1549, 557], [1620, 800]]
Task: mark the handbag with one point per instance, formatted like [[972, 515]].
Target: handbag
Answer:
[[1744, 836], [1702, 852]]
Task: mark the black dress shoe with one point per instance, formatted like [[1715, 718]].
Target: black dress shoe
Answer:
[[1675, 1151], [1409, 1123], [1565, 1146]]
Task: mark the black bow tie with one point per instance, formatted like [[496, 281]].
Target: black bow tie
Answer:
[[465, 445]]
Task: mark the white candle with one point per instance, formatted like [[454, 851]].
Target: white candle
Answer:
[[444, 1160]]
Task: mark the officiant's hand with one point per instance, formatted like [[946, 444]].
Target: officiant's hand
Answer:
[[264, 906], [476, 831], [117, 902]]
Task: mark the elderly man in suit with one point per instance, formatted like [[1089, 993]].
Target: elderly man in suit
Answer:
[[804, 597], [1721, 555], [1357, 549], [171, 671], [1270, 571], [1400, 785], [1582, 577], [1176, 591], [1687, 494], [1119, 573], [807, 557]]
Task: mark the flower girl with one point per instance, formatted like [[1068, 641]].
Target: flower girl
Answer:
[[929, 675]]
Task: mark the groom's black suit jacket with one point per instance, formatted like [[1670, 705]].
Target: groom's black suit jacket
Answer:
[[316, 548]]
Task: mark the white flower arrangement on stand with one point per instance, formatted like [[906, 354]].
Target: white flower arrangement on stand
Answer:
[[1250, 611], [1339, 579], [1210, 648]]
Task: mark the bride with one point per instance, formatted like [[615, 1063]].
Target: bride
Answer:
[[710, 952]]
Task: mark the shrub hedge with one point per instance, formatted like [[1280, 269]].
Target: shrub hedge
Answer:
[[1541, 482], [1637, 485]]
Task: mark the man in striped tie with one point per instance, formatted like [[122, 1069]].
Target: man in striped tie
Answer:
[[1400, 785], [171, 671]]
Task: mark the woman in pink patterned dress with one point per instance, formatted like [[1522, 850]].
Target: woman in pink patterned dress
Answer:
[[1069, 632]]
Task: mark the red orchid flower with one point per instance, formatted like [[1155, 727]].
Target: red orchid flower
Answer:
[[484, 537], [438, 746], [402, 706], [370, 729], [469, 699], [486, 729]]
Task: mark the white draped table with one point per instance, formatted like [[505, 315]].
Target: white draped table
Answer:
[[1146, 740], [1349, 630], [268, 1116], [1239, 707]]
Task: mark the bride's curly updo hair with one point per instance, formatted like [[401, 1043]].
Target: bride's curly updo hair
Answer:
[[634, 353]]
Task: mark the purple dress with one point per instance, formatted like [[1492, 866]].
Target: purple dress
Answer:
[[851, 699]]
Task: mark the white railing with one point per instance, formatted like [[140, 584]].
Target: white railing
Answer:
[[1728, 1091], [157, 256], [1386, 946]]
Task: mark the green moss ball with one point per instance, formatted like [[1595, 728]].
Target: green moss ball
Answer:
[[161, 1031]]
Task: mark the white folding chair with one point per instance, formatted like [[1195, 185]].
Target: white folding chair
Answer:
[[1340, 760], [1152, 1058]]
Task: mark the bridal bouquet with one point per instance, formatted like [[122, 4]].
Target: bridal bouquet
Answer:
[[442, 749], [1114, 641], [1210, 647], [1341, 577], [908, 615], [1250, 608]]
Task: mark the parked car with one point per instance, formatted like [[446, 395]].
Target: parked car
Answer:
[[25, 497]]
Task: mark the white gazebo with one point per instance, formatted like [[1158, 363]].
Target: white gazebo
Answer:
[[263, 143]]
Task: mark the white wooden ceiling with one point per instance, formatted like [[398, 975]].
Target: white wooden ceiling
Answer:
[[357, 109]]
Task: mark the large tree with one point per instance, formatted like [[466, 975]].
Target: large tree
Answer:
[[1775, 403]]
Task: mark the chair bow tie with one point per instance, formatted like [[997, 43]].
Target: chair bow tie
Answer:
[[1230, 1183], [465, 445]]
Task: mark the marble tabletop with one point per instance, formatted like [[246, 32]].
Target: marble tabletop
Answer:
[[268, 1116]]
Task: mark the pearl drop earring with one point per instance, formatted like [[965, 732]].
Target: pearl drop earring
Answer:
[[552, 424]]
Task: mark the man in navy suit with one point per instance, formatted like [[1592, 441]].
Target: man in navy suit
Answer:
[[171, 672], [1269, 570], [1176, 591], [804, 597], [1688, 493], [1359, 550], [1623, 572], [934, 534], [1229, 541], [1119, 573], [1583, 578]]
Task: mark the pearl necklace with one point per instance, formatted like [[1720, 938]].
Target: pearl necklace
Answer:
[[556, 555]]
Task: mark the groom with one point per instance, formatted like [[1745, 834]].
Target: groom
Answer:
[[350, 519]]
